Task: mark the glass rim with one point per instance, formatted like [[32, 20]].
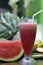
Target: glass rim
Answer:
[[30, 21]]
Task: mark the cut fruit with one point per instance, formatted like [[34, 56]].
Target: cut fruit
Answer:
[[39, 49], [37, 56], [10, 50], [37, 44]]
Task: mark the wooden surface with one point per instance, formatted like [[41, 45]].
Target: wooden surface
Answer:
[[39, 62]]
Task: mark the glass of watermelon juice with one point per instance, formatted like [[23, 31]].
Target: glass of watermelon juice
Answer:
[[27, 34]]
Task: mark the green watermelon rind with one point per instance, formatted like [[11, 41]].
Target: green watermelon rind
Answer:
[[3, 39], [15, 58]]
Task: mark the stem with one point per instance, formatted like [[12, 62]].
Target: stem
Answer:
[[27, 57]]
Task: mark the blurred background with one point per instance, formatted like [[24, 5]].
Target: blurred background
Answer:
[[24, 8]]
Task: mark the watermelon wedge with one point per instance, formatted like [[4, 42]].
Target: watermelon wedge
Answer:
[[10, 50]]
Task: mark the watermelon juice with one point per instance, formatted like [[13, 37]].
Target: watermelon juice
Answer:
[[27, 33]]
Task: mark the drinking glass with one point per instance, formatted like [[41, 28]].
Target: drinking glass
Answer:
[[27, 34]]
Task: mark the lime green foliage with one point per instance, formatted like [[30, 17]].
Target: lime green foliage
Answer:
[[10, 22], [41, 16], [33, 7]]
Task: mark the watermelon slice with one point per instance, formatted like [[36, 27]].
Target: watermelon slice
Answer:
[[10, 50]]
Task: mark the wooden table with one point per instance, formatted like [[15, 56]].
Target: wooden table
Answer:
[[39, 62]]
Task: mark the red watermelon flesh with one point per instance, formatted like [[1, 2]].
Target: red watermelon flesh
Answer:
[[10, 50]]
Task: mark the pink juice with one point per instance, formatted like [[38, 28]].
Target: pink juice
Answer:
[[28, 32]]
